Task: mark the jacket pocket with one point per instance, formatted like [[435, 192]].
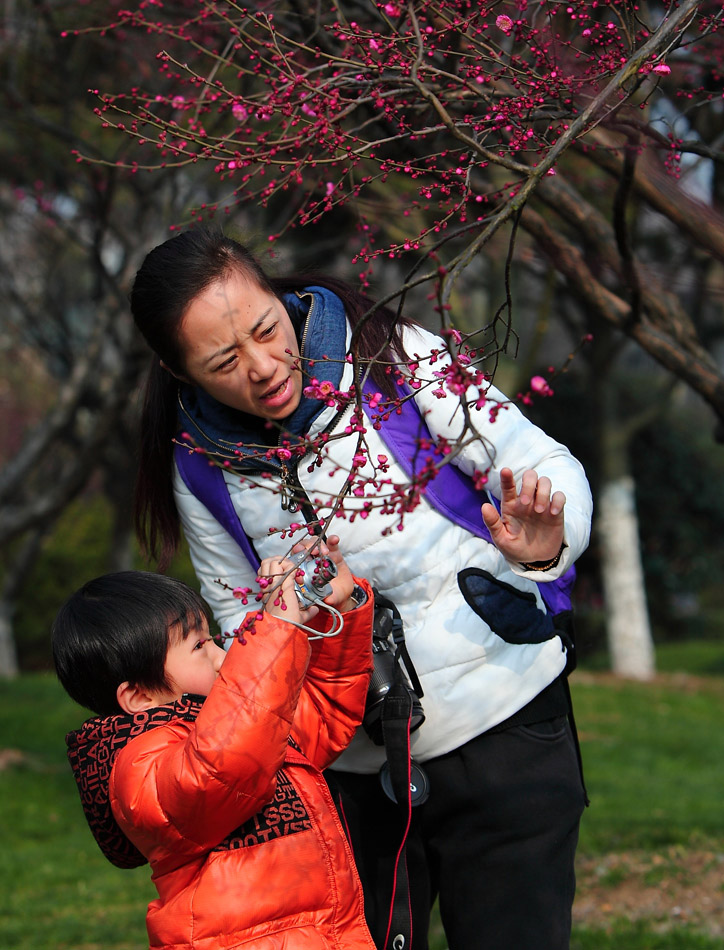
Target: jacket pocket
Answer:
[[510, 613]]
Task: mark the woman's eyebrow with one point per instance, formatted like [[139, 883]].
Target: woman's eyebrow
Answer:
[[259, 322], [218, 353], [232, 346]]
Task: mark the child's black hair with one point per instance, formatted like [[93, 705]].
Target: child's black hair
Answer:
[[116, 629]]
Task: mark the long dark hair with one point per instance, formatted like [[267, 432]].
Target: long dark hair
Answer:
[[170, 278], [115, 629]]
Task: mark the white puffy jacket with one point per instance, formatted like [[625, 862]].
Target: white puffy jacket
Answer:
[[472, 679]]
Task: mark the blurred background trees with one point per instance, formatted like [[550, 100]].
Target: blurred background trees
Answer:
[[534, 174], [73, 236]]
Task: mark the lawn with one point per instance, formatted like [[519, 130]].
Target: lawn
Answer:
[[651, 854], [651, 857]]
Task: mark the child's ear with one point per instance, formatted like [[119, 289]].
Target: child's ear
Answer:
[[134, 699]]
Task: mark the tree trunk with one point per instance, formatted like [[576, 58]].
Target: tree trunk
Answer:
[[8, 655], [15, 573], [119, 467], [627, 618]]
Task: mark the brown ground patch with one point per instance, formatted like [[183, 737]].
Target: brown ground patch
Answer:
[[10, 758], [675, 887]]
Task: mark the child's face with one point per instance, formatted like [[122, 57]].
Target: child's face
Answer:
[[193, 664]]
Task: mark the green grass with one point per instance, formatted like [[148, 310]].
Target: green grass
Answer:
[[696, 656], [58, 891], [639, 936], [654, 762], [703, 657]]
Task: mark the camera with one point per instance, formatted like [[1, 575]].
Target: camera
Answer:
[[387, 667], [315, 585]]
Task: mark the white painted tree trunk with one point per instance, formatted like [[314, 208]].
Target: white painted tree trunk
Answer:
[[8, 656], [627, 617]]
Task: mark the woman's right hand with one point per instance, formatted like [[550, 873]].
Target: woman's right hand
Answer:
[[343, 582]]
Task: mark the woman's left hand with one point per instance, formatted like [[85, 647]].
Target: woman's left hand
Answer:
[[529, 527]]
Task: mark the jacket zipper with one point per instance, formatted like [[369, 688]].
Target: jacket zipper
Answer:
[[293, 497], [310, 515]]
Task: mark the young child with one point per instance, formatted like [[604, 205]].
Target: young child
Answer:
[[211, 772]]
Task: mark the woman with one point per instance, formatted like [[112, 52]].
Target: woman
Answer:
[[235, 352]]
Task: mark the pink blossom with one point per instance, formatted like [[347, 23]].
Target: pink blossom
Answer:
[[317, 390], [540, 385], [662, 69], [242, 594], [480, 479], [240, 112], [504, 23]]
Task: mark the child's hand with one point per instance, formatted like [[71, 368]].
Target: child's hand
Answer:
[[276, 581], [343, 583]]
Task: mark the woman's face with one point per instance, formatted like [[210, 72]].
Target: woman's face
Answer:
[[239, 346]]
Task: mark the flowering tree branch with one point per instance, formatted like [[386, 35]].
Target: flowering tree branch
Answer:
[[432, 127]]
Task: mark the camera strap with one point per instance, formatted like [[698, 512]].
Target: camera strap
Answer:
[[396, 712], [397, 775]]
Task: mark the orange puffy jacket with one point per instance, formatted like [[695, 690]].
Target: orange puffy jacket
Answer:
[[231, 808]]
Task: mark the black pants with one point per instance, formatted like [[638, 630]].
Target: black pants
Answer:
[[495, 841]]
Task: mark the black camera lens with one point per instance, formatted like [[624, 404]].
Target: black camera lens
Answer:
[[382, 678]]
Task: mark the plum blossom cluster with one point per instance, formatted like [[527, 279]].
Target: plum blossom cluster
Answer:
[[372, 480], [539, 386], [327, 393], [450, 106], [432, 121]]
